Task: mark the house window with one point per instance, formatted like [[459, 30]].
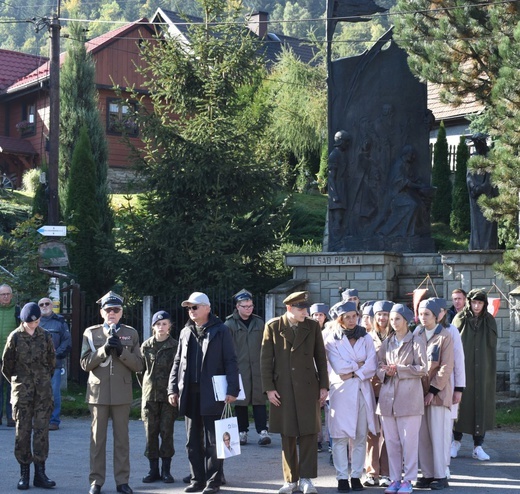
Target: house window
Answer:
[[27, 125], [120, 118]]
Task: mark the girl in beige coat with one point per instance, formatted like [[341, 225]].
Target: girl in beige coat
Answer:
[[402, 364]]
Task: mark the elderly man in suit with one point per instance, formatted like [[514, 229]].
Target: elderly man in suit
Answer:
[[110, 352], [295, 379]]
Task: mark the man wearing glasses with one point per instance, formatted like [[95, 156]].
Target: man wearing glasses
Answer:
[[205, 349], [9, 321], [247, 330], [59, 330], [110, 352]]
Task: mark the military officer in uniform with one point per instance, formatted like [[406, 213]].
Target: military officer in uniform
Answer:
[[28, 364], [295, 379], [110, 352]]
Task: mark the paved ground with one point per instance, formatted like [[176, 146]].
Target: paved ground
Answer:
[[257, 469]]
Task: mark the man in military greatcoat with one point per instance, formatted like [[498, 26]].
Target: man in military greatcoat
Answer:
[[110, 352], [295, 379]]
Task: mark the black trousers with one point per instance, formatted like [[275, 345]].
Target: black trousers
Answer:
[[259, 414], [477, 440], [205, 467]]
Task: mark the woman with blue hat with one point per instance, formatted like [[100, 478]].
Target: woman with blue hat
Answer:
[[158, 415], [352, 362], [438, 395], [457, 378], [401, 365], [376, 467]]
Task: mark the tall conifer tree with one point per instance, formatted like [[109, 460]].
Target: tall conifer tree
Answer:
[[441, 206], [460, 220]]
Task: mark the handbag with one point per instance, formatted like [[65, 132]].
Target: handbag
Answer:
[[227, 436]]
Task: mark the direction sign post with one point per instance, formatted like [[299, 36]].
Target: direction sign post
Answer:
[[53, 231]]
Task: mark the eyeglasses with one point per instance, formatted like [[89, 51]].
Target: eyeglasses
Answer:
[[115, 310], [193, 307], [44, 304], [247, 307]]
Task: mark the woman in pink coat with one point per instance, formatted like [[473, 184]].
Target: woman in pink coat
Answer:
[[401, 365], [352, 362]]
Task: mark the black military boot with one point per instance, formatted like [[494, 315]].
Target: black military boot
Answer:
[[166, 476], [40, 479], [25, 477], [153, 474]]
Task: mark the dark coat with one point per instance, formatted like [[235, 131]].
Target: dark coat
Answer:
[[248, 343], [296, 367], [218, 358], [479, 340]]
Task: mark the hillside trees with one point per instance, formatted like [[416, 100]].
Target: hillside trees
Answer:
[[210, 209]]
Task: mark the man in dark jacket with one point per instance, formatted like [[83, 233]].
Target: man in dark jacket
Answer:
[[205, 349], [59, 330]]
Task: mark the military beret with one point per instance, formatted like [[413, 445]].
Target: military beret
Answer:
[[349, 292], [345, 307], [298, 299], [441, 302], [382, 306], [30, 312], [110, 299], [321, 308], [430, 305], [403, 310], [159, 316]]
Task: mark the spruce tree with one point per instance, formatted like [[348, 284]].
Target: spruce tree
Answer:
[[209, 212], [460, 220], [441, 206], [78, 107], [84, 216]]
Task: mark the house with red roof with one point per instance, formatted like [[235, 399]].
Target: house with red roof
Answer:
[[24, 100]]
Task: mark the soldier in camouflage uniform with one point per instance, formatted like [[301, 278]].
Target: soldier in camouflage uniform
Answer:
[[158, 415], [28, 364], [110, 353]]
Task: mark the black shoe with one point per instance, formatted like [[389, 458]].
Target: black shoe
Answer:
[[25, 475], [439, 484], [187, 479], [195, 487], [356, 484], [423, 482], [343, 485], [211, 489], [94, 489], [154, 473], [124, 488], [40, 478]]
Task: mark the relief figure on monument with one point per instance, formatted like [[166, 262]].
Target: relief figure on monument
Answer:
[[409, 200], [483, 232], [337, 182]]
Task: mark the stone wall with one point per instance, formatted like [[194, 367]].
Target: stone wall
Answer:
[[394, 276]]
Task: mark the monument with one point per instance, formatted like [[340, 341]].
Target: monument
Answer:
[[386, 166]]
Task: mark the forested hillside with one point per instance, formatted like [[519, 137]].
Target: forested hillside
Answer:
[[25, 27]]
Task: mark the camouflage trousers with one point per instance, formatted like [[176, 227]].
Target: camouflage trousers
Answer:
[[32, 422], [159, 418]]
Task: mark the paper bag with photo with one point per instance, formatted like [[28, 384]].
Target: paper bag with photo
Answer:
[[227, 436]]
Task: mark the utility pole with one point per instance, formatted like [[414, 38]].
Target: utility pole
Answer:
[[54, 120]]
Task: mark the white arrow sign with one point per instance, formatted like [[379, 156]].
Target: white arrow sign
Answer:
[[53, 231]]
